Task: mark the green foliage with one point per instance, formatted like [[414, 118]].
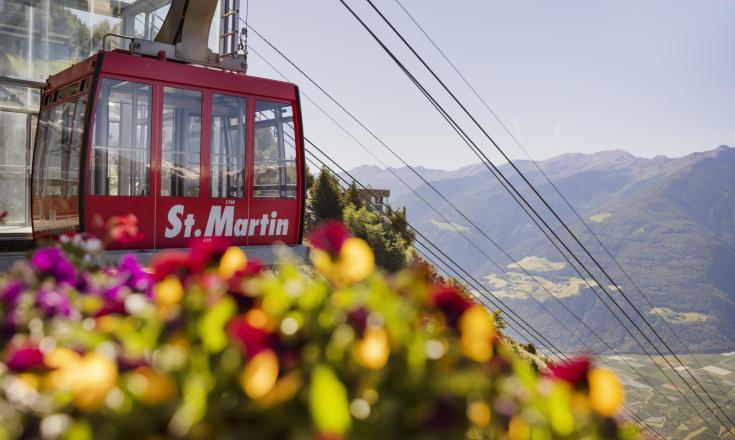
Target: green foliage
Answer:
[[353, 197], [325, 198], [389, 247], [399, 224]]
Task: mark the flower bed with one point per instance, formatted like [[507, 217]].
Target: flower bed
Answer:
[[206, 344]]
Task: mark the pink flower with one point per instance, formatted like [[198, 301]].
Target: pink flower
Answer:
[[124, 230], [329, 237]]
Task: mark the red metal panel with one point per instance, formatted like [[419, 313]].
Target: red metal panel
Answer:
[[71, 74], [123, 63]]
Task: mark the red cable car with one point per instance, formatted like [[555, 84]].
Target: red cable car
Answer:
[[190, 150]]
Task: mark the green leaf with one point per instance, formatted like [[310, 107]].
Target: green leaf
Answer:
[[78, 431], [212, 325], [328, 402]]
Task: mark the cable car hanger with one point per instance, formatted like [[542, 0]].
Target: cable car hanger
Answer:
[[185, 32]]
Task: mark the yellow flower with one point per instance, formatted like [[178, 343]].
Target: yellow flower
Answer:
[[260, 374], [283, 391], [354, 262], [357, 261], [233, 260], [606, 392], [478, 412], [156, 388], [373, 350], [477, 334], [518, 429], [89, 378], [169, 292]]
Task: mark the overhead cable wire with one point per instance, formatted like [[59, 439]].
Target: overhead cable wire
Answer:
[[642, 376], [548, 179], [427, 249], [489, 164], [556, 215]]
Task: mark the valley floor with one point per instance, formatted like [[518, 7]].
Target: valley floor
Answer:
[[659, 403]]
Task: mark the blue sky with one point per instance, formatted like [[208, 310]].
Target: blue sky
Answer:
[[652, 77]]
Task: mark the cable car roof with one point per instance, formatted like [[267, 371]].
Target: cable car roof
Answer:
[[122, 62]]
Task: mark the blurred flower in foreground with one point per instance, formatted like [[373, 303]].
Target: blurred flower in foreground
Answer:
[[341, 258], [52, 262], [575, 371], [452, 303], [3, 216], [606, 392], [213, 345], [477, 334], [25, 358]]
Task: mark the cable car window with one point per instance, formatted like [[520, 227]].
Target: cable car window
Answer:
[[120, 163], [275, 160], [77, 130], [56, 155], [40, 153], [228, 146], [182, 132]]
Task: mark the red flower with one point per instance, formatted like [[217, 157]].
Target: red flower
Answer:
[[574, 372], [123, 229], [252, 339], [25, 358], [329, 237], [169, 263], [358, 318], [452, 303], [3, 216], [252, 268], [202, 252]]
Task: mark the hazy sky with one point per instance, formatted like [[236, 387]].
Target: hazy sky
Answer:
[[650, 77]]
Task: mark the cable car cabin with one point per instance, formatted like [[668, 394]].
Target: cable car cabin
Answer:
[[190, 151]]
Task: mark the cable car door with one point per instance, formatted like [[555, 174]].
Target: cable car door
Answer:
[[274, 204], [120, 176]]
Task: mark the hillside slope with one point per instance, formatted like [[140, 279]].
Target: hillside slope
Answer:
[[669, 222]]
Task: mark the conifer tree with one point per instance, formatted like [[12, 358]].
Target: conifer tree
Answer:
[[352, 196], [325, 198], [399, 224]]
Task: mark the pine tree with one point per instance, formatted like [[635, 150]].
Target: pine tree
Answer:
[[352, 196], [325, 198], [399, 224]]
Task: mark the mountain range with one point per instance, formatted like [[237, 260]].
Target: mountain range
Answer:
[[668, 222]]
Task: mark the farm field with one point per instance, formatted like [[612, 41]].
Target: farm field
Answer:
[[660, 404]]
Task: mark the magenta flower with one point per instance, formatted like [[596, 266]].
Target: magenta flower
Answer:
[[51, 261], [134, 276], [53, 303], [11, 292], [24, 359]]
